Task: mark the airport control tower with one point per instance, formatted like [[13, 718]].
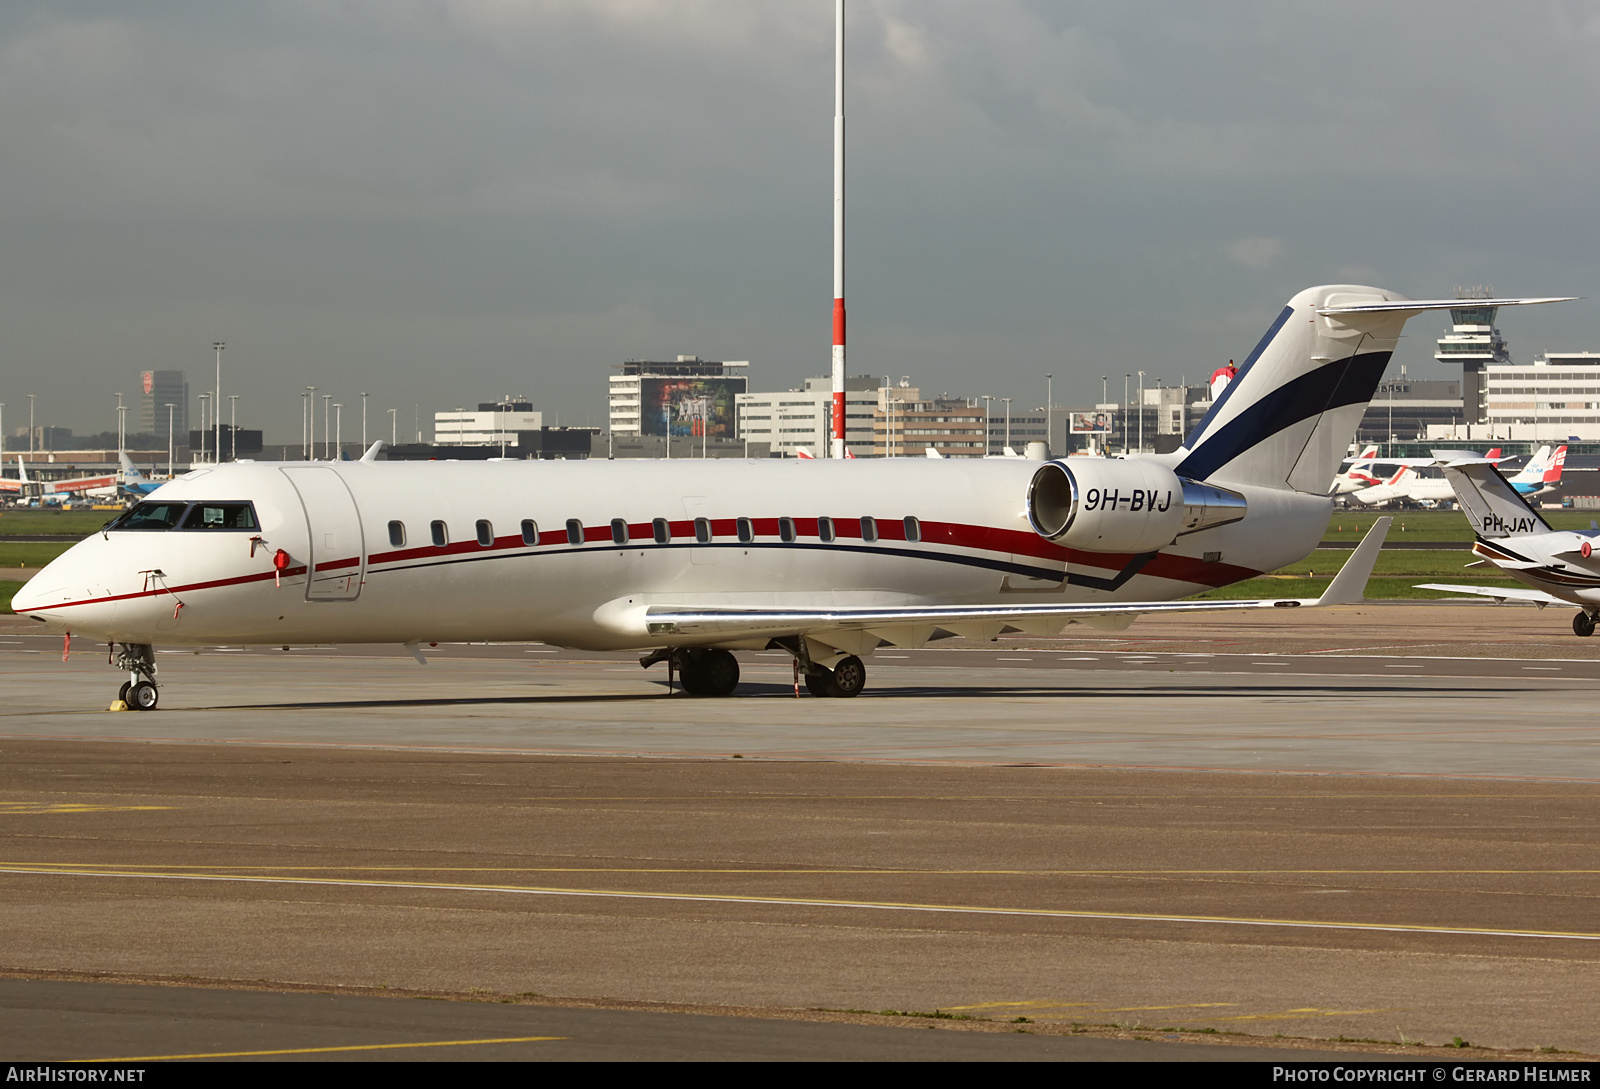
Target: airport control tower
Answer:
[[1475, 343]]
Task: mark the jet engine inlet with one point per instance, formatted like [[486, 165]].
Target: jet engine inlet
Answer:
[[1123, 506]]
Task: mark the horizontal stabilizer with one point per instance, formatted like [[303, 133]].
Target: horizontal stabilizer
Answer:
[[1417, 306]]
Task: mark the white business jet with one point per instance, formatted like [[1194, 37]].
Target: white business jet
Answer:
[[1555, 566], [688, 561]]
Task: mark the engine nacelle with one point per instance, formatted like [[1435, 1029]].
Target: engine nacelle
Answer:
[[1103, 505]]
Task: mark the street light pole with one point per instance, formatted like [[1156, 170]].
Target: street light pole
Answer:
[[305, 422], [1141, 412], [327, 399], [218, 346], [1007, 400], [170, 407], [393, 429], [338, 432], [1049, 410], [1126, 378], [233, 427], [205, 403], [363, 420], [30, 427]]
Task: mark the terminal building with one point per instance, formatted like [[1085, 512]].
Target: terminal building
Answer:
[[689, 397], [494, 423], [802, 419]]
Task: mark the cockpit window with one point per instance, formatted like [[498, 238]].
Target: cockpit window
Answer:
[[220, 516], [148, 515]]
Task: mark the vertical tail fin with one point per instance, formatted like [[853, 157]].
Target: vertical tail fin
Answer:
[[1289, 416], [1492, 505], [1552, 475]]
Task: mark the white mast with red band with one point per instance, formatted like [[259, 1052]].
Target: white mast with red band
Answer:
[[837, 447]]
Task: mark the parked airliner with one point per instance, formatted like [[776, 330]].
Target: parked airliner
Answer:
[[57, 491], [690, 560]]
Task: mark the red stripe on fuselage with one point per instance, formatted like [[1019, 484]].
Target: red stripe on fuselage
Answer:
[[990, 539]]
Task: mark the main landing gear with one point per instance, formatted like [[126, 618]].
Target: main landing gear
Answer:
[[708, 671], [1583, 623], [139, 691], [701, 671]]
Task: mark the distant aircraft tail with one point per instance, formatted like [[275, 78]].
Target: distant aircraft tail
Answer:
[[1533, 472], [130, 471], [1552, 475], [1492, 505], [1287, 419]]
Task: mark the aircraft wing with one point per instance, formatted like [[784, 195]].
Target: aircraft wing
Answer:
[[915, 623], [1500, 594]]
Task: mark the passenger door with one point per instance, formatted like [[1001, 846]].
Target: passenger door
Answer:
[[338, 556]]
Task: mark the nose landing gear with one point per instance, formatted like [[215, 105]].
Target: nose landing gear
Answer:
[[139, 691]]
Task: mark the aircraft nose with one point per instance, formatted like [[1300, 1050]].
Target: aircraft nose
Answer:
[[49, 595]]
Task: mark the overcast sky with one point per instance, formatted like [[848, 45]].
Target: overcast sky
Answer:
[[443, 202]]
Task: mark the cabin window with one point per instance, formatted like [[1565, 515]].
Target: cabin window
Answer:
[[397, 534], [619, 531], [662, 529], [746, 532], [786, 529], [825, 529], [913, 529], [220, 516], [574, 531], [869, 529], [702, 530], [441, 535], [485, 533], [530, 531]]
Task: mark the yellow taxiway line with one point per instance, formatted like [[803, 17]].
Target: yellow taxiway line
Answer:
[[790, 901]]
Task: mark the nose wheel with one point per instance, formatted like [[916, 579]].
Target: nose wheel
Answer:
[[140, 691], [847, 678], [1583, 624]]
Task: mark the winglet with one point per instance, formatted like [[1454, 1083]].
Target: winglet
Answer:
[[372, 451], [1350, 584]]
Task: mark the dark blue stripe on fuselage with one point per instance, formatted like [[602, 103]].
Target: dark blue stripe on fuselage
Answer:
[[1335, 385], [1272, 330]]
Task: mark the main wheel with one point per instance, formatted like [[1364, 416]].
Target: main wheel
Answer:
[[122, 693], [143, 696], [818, 684], [719, 673], [691, 677], [849, 677], [1583, 624]]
